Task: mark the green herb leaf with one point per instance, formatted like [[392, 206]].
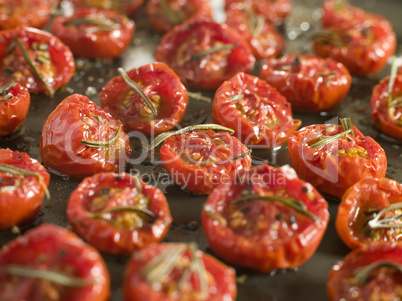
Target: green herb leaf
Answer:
[[380, 223], [362, 274], [242, 155], [212, 214], [236, 97], [205, 52], [4, 91], [392, 77], [99, 144], [173, 17], [198, 96], [100, 24]]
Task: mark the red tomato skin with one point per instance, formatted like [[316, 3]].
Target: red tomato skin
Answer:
[[367, 195], [60, 144], [342, 273], [262, 253], [60, 54], [336, 173], [103, 235], [126, 7], [379, 107], [189, 9], [14, 111], [21, 205], [50, 246], [32, 13], [159, 79], [135, 287], [307, 92], [362, 59], [193, 73], [201, 179], [98, 44], [225, 112]]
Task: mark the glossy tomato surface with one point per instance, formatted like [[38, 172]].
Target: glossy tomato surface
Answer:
[[127, 7], [199, 161], [164, 15], [262, 37], [387, 113], [162, 86], [204, 53], [334, 167], [52, 248], [364, 51], [183, 281], [368, 273], [33, 13], [309, 82], [361, 205], [118, 213], [265, 235], [52, 59], [256, 111], [70, 134], [21, 196], [94, 33], [14, 106]]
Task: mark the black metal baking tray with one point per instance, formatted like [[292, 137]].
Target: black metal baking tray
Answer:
[[304, 283]]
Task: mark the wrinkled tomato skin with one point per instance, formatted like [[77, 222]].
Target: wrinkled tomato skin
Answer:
[[126, 7], [20, 205], [61, 58], [73, 120], [343, 285], [103, 235], [135, 288], [361, 55], [303, 86], [188, 9], [98, 44], [379, 107], [14, 111], [202, 179], [257, 131], [154, 79], [279, 245], [204, 73], [365, 197], [54, 248], [267, 43], [32, 13], [325, 169]]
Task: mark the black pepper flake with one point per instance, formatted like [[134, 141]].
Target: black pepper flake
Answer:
[[304, 189], [278, 217]]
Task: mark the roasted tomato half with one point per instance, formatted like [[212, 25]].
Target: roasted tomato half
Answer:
[[33, 13], [23, 184], [262, 37], [118, 213], [204, 53], [192, 275], [333, 158], [387, 111], [364, 51], [372, 272], [14, 105], [127, 7], [309, 82], [370, 211], [274, 11], [80, 139], [265, 219], [52, 263], [200, 160], [165, 14], [94, 33], [161, 86], [35, 59], [257, 113]]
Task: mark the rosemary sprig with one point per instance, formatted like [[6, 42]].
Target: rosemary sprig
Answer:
[[347, 125], [35, 70], [48, 275], [162, 137], [363, 273], [394, 70], [291, 203], [98, 144], [205, 52], [4, 91], [133, 85], [101, 25], [198, 265], [22, 172], [198, 96], [236, 97], [137, 181], [377, 222], [242, 155], [212, 214], [99, 118], [173, 17], [256, 22], [347, 129]]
